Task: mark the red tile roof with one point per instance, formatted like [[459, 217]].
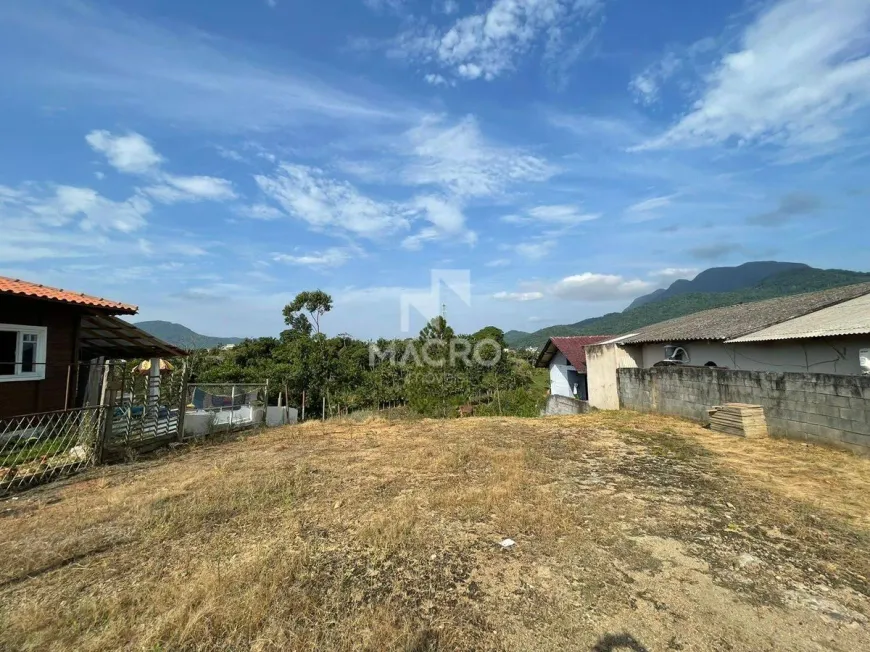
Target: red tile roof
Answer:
[[21, 288], [574, 348]]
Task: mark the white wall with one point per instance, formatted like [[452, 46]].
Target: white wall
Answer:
[[559, 385], [828, 356], [602, 361]]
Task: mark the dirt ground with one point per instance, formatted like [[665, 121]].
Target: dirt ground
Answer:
[[633, 532]]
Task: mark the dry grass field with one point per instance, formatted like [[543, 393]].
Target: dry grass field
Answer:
[[633, 532]]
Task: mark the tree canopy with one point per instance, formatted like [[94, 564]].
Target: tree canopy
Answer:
[[433, 373]]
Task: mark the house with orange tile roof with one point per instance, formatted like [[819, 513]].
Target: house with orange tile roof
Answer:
[[46, 334]]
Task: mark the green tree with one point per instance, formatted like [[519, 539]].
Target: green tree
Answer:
[[315, 302], [436, 329]]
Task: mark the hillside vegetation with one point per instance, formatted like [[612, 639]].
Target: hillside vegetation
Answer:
[[721, 279], [182, 336], [791, 282], [341, 373]]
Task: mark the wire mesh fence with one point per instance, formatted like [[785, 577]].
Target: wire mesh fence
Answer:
[[224, 407], [40, 447], [126, 410]]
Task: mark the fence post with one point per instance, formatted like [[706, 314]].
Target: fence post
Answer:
[[303, 406], [182, 401], [154, 382], [232, 408], [107, 409], [266, 402]]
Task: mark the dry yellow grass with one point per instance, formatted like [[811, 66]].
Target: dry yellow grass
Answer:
[[384, 536]]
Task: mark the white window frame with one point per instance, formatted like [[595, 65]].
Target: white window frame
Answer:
[[41, 333]]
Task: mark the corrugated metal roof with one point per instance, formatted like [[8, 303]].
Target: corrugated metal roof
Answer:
[[106, 335], [21, 288], [744, 318], [573, 348], [851, 317]]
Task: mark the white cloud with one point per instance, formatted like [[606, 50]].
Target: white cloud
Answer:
[[612, 130], [535, 250], [101, 56], [599, 287], [382, 5], [259, 212], [98, 212], [487, 45], [449, 7], [651, 204], [458, 158], [803, 68], [559, 214], [130, 153], [230, 154], [498, 262], [646, 85], [436, 79], [60, 222], [133, 154], [332, 257], [184, 249], [518, 296], [25, 240], [195, 188], [308, 194], [446, 219], [83, 206], [669, 273]]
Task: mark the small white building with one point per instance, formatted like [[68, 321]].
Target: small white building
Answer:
[[565, 357]]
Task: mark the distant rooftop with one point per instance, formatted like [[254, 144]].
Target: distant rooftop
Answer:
[[741, 319], [573, 348], [847, 318]]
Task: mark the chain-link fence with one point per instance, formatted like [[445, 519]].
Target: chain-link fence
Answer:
[[224, 407], [39, 447], [125, 410]]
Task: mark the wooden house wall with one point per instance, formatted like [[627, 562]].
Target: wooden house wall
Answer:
[[62, 321]]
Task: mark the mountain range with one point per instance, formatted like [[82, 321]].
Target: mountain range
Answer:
[[182, 336], [712, 288]]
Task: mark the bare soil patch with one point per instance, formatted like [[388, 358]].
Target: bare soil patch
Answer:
[[633, 532]]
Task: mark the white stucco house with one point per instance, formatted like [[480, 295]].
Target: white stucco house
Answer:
[[818, 332], [565, 357]]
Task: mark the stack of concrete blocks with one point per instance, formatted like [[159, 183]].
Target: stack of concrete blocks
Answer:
[[739, 419], [819, 407]]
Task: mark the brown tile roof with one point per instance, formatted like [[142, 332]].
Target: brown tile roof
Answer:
[[573, 348], [734, 321], [21, 288]]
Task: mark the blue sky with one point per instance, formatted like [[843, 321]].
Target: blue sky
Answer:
[[207, 161]]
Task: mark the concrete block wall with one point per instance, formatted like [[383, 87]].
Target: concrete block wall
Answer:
[[828, 408], [564, 405]]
